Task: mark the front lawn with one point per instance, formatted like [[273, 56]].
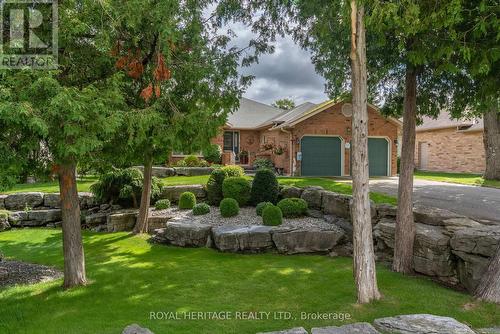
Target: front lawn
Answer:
[[461, 178], [129, 278], [52, 187]]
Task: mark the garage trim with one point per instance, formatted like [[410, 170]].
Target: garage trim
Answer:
[[342, 150], [389, 153]]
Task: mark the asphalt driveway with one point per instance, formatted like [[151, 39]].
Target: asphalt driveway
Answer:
[[479, 203]]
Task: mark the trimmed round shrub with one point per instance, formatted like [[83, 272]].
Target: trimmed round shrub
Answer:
[[261, 206], [272, 216], [293, 207], [229, 207], [233, 170], [264, 187], [214, 186], [187, 200], [201, 209], [238, 188], [162, 204]]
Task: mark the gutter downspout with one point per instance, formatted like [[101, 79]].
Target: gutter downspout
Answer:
[[292, 156]]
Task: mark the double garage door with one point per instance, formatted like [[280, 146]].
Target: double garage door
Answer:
[[322, 156]]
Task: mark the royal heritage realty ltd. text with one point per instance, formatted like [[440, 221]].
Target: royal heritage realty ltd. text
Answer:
[[247, 315]]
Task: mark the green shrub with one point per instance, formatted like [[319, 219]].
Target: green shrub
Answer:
[[4, 214], [201, 209], [293, 207], [180, 163], [272, 216], [187, 200], [233, 171], [229, 207], [260, 163], [162, 204], [123, 187], [264, 187], [192, 161], [237, 188], [261, 207], [213, 154], [214, 186]]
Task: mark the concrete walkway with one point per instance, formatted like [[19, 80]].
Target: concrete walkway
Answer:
[[479, 203]]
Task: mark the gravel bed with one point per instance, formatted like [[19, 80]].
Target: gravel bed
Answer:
[[247, 216], [16, 272]]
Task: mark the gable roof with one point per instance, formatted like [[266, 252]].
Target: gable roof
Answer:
[[252, 114], [445, 121]]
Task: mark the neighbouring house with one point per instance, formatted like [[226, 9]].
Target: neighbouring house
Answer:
[[309, 140], [450, 145]]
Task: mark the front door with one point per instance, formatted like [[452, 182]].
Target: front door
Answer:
[[232, 143]]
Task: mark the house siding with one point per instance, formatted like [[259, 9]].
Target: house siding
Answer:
[[450, 150], [331, 122]]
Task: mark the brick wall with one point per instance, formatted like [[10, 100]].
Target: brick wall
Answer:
[[452, 151], [333, 122]]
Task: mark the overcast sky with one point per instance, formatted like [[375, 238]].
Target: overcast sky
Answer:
[[288, 72]]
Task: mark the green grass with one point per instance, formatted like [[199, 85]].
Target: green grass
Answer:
[[129, 278], [52, 187], [461, 178]]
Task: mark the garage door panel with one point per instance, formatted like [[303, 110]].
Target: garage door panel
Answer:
[[321, 156], [378, 152]]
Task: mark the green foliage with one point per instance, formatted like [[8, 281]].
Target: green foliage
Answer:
[[272, 216], [192, 161], [213, 154], [162, 204], [123, 186], [237, 188], [263, 163], [214, 186], [284, 104], [187, 200], [293, 207], [264, 187], [4, 214], [233, 170], [201, 209], [261, 206], [229, 207]]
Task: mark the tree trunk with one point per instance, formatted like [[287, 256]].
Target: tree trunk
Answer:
[[489, 287], [491, 141], [405, 227], [364, 255], [74, 259], [142, 219]]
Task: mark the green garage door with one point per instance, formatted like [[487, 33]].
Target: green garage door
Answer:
[[378, 152], [321, 156]]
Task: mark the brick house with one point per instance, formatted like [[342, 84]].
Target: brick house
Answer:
[[309, 140], [450, 145]]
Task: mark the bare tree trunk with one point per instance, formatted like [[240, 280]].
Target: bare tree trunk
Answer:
[[364, 255], [74, 259], [405, 227], [491, 141], [489, 287], [142, 220]]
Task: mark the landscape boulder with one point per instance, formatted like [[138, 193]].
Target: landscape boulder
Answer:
[[87, 200], [21, 201], [336, 204], [296, 330], [193, 171], [136, 329], [2, 201], [357, 328], [159, 171], [172, 193], [421, 324], [95, 219], [386, 210], [313, 196], [185, 233], [4, 224], [470, 269], [16, 217], [432, 216], [42, 217], [242, 238], [52, 200], [293, 241], [156, 222], [121, 221], [481, 240], [291, 192]]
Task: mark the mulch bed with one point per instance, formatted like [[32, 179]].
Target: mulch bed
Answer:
[[16, 272]]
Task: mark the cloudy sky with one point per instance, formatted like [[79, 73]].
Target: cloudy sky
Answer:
[[288, 72]]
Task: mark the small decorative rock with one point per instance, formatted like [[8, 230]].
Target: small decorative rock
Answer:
[[357, 328], [136, 329], [243, 238], [293, 241], [421, 324], [296, 330], [187, 233]]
